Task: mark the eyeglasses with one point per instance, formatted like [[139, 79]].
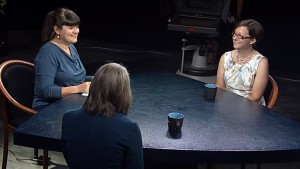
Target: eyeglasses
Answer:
[[238, 36]]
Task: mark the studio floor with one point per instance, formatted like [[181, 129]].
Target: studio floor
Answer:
[[24, 45]]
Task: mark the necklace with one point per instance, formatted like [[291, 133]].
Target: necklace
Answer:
[[244, 60]]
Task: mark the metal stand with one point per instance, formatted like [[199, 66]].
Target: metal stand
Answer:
[[198, 66]]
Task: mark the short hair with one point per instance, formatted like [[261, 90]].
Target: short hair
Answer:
[[255, 29], [110, 91], [58, 17]]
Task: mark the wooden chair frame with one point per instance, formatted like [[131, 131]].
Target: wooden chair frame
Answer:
[[273, 94], [5, 99]]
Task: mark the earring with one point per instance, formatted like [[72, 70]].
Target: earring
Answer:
[[58, 36]]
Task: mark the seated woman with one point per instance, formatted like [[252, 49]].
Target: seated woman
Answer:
[[244, 70], [58, 69], [100, 135]]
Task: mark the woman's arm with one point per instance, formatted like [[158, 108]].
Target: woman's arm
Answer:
[[260, 81], [220, 74], [88, 78], [82, 88], [45, 71]]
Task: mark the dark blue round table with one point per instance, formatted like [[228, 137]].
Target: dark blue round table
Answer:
[[230, 129]]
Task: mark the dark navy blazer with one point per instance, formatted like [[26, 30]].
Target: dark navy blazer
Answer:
[[96, 141]]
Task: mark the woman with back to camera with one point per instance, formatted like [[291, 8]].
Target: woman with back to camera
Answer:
[[244, 70], [100, 135], [58, 68]]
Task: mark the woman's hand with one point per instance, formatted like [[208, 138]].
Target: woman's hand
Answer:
[[84, 87]]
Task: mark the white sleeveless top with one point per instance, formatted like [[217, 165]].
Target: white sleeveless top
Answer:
[[239, 78]]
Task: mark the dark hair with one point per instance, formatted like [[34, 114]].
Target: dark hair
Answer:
[[110, 91], [255, 29], [58, 17]]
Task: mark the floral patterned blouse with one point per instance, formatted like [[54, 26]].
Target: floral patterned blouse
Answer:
[[239, 78]]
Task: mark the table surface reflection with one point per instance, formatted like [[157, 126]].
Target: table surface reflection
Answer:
[[229, 129]]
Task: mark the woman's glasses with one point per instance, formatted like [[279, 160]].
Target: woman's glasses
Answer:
[[238, 36]]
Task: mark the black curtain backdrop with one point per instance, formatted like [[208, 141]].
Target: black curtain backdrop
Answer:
[[139, 22]]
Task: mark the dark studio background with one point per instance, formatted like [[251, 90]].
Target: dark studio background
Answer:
[[139, 23]]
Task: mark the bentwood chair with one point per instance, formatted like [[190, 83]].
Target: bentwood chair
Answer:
[[270, 95], [16, 95]]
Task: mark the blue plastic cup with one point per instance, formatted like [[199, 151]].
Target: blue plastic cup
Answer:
[[210, 91], [175, 121]]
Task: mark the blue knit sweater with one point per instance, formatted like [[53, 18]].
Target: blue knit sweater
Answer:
[[55, 69]]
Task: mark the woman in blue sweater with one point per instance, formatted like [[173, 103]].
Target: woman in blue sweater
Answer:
[[59, 70], [100, 135]]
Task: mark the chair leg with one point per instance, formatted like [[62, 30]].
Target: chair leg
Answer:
[[5, 149], [243, 166], [36, 153], [258, 166], [45, 160]]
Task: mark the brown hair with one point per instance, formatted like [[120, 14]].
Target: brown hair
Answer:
[[58, 17], [110, 91], [255, 29]]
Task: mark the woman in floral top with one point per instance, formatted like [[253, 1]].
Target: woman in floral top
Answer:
[[244, 70]]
